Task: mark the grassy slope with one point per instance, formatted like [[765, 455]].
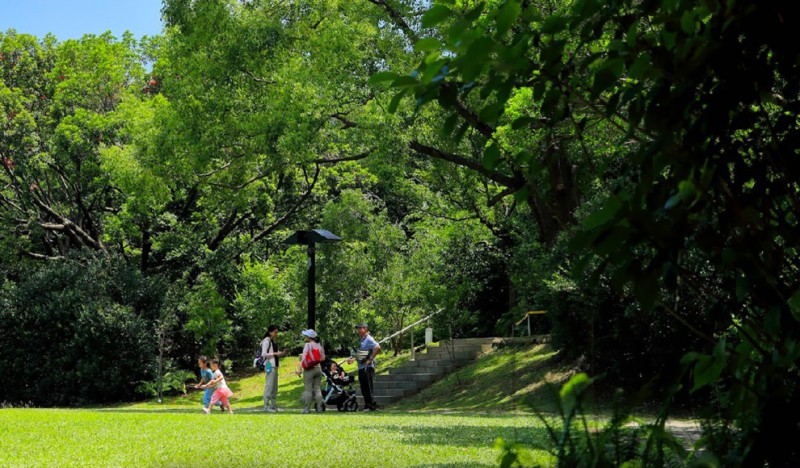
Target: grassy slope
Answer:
[[509, 379]]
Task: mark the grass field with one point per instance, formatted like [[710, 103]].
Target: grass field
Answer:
[[131, 437], [453, 423]]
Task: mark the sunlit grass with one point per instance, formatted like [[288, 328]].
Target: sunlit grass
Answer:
[[183, 437], [510, 379], [175, 433]]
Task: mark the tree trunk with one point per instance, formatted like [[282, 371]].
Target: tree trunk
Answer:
[[147, 245], [554, 209]]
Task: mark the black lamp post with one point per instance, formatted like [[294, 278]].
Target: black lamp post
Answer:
[[311, 238]]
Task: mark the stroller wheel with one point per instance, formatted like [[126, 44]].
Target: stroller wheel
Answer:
[[351, 405]]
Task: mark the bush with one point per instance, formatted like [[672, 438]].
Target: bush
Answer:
[[78, 332], [173, 382]]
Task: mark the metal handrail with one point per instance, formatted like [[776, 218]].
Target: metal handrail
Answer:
[[408, 327]]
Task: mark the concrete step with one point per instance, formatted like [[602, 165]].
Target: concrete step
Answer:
[[424, 363], [422, 370], [436, 363], [391, 392], [404, 384], [421, 379], [455, 355], [449, 348]]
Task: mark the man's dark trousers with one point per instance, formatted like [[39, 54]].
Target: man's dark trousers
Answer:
[[365, 377]]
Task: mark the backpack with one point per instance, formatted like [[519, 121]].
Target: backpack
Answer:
[[311, 359], [258, 361]]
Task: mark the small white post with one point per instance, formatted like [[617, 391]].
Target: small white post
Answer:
[[529, 324], [428, 336], [413, 351]]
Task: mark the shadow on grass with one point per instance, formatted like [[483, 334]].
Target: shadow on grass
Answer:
[[466, 435], [447, 465], [197, 410]]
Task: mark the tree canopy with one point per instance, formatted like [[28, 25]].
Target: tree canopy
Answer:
[[628, 166]]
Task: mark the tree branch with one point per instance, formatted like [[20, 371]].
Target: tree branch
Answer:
[[412, 36], [258, 79], [70, 227], [468, 114], [214, 171], [502, 179], [37, 256], [346, 123], [347, 158], [278, 222], [53, 226], [244, 184], [230, 224], [497, 198]]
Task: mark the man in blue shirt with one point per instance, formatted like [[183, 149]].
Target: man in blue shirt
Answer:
[[367, 350]]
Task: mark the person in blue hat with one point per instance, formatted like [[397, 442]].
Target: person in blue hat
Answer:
[[367, 350]]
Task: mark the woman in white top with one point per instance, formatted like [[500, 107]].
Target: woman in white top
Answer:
[[313, 355], [271, 355]]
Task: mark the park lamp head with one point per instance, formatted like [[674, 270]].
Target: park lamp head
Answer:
[[313, 236]]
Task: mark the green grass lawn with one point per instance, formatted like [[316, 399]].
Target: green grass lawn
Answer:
[[183, 437], [175, 433], [455, 422]]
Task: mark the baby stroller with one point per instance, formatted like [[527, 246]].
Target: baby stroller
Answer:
[[338, 388]]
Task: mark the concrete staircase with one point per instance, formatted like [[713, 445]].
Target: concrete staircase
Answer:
[[412, 376]]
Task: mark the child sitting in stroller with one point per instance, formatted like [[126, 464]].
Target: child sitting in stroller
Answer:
[[338, 387]]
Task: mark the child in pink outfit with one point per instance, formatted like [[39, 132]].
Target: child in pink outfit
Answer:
[[222, 392]]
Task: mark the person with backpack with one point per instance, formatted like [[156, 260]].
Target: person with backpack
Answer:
[[313, 355], [270, 361]]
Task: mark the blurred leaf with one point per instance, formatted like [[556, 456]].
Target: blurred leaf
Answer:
[[426, 44], [395, 102], [707, 370], [382, 76], [405, 82], [491, 112], [572, 392], [435, 15], [506, 16], [603, 215], [490, 156], [686, 190], [554, 24]]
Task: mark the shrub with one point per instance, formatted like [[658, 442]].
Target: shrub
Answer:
[[77, 332]]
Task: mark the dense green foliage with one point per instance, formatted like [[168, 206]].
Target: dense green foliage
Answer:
[[703, 99], [78, 333], [191, 157], [629, 166]]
